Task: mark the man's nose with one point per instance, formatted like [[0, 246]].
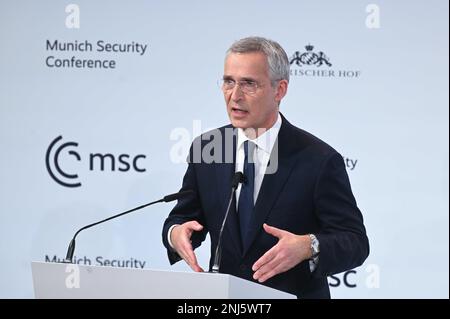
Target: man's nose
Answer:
[[236, 93]]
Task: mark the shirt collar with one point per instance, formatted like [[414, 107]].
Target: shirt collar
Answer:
[[266, 140]]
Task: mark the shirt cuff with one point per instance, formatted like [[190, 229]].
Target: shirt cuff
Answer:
[[313, 264], [168, 235]]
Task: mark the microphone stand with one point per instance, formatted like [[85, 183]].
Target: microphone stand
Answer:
[[237, 179], [168, 198]]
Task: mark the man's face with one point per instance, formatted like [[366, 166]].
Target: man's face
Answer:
[[252, 110]]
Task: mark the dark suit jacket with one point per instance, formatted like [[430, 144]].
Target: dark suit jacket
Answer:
[[309, 193]]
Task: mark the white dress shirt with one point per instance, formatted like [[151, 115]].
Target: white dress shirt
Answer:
[[264, 145]]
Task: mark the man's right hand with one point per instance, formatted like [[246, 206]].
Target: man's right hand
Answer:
[[181, 241]]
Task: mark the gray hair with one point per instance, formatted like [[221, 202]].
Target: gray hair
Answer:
[[277, 58]]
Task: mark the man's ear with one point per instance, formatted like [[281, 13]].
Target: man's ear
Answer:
[[281, 88]]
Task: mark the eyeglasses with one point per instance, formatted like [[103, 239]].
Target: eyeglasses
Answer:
[[246, 86]]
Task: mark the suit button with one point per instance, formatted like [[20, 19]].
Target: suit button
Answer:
[[243, 267]]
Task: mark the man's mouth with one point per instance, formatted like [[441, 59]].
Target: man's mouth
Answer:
[[238, 110]]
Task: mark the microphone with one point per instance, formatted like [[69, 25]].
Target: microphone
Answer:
[[237, 179], [168, 198]]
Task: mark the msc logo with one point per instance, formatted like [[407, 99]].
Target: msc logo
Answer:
[[60, 174], [54, 157], [310, 57]]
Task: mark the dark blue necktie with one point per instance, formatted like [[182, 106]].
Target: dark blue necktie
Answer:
[[245, 204]]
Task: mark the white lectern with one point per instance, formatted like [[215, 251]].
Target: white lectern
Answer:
[[56, 280]]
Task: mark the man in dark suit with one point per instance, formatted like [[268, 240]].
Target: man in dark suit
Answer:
[[294, 220]]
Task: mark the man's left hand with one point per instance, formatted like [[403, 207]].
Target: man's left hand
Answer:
[[290, 250]]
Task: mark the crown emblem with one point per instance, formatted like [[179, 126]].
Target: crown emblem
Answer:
[[309, 57]]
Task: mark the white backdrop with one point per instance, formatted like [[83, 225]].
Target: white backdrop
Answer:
[[382, 102]]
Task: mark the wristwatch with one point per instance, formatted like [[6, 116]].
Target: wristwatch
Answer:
[[315, 249]]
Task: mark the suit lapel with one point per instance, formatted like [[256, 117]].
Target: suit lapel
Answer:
[[272, 183], [224, 175]]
